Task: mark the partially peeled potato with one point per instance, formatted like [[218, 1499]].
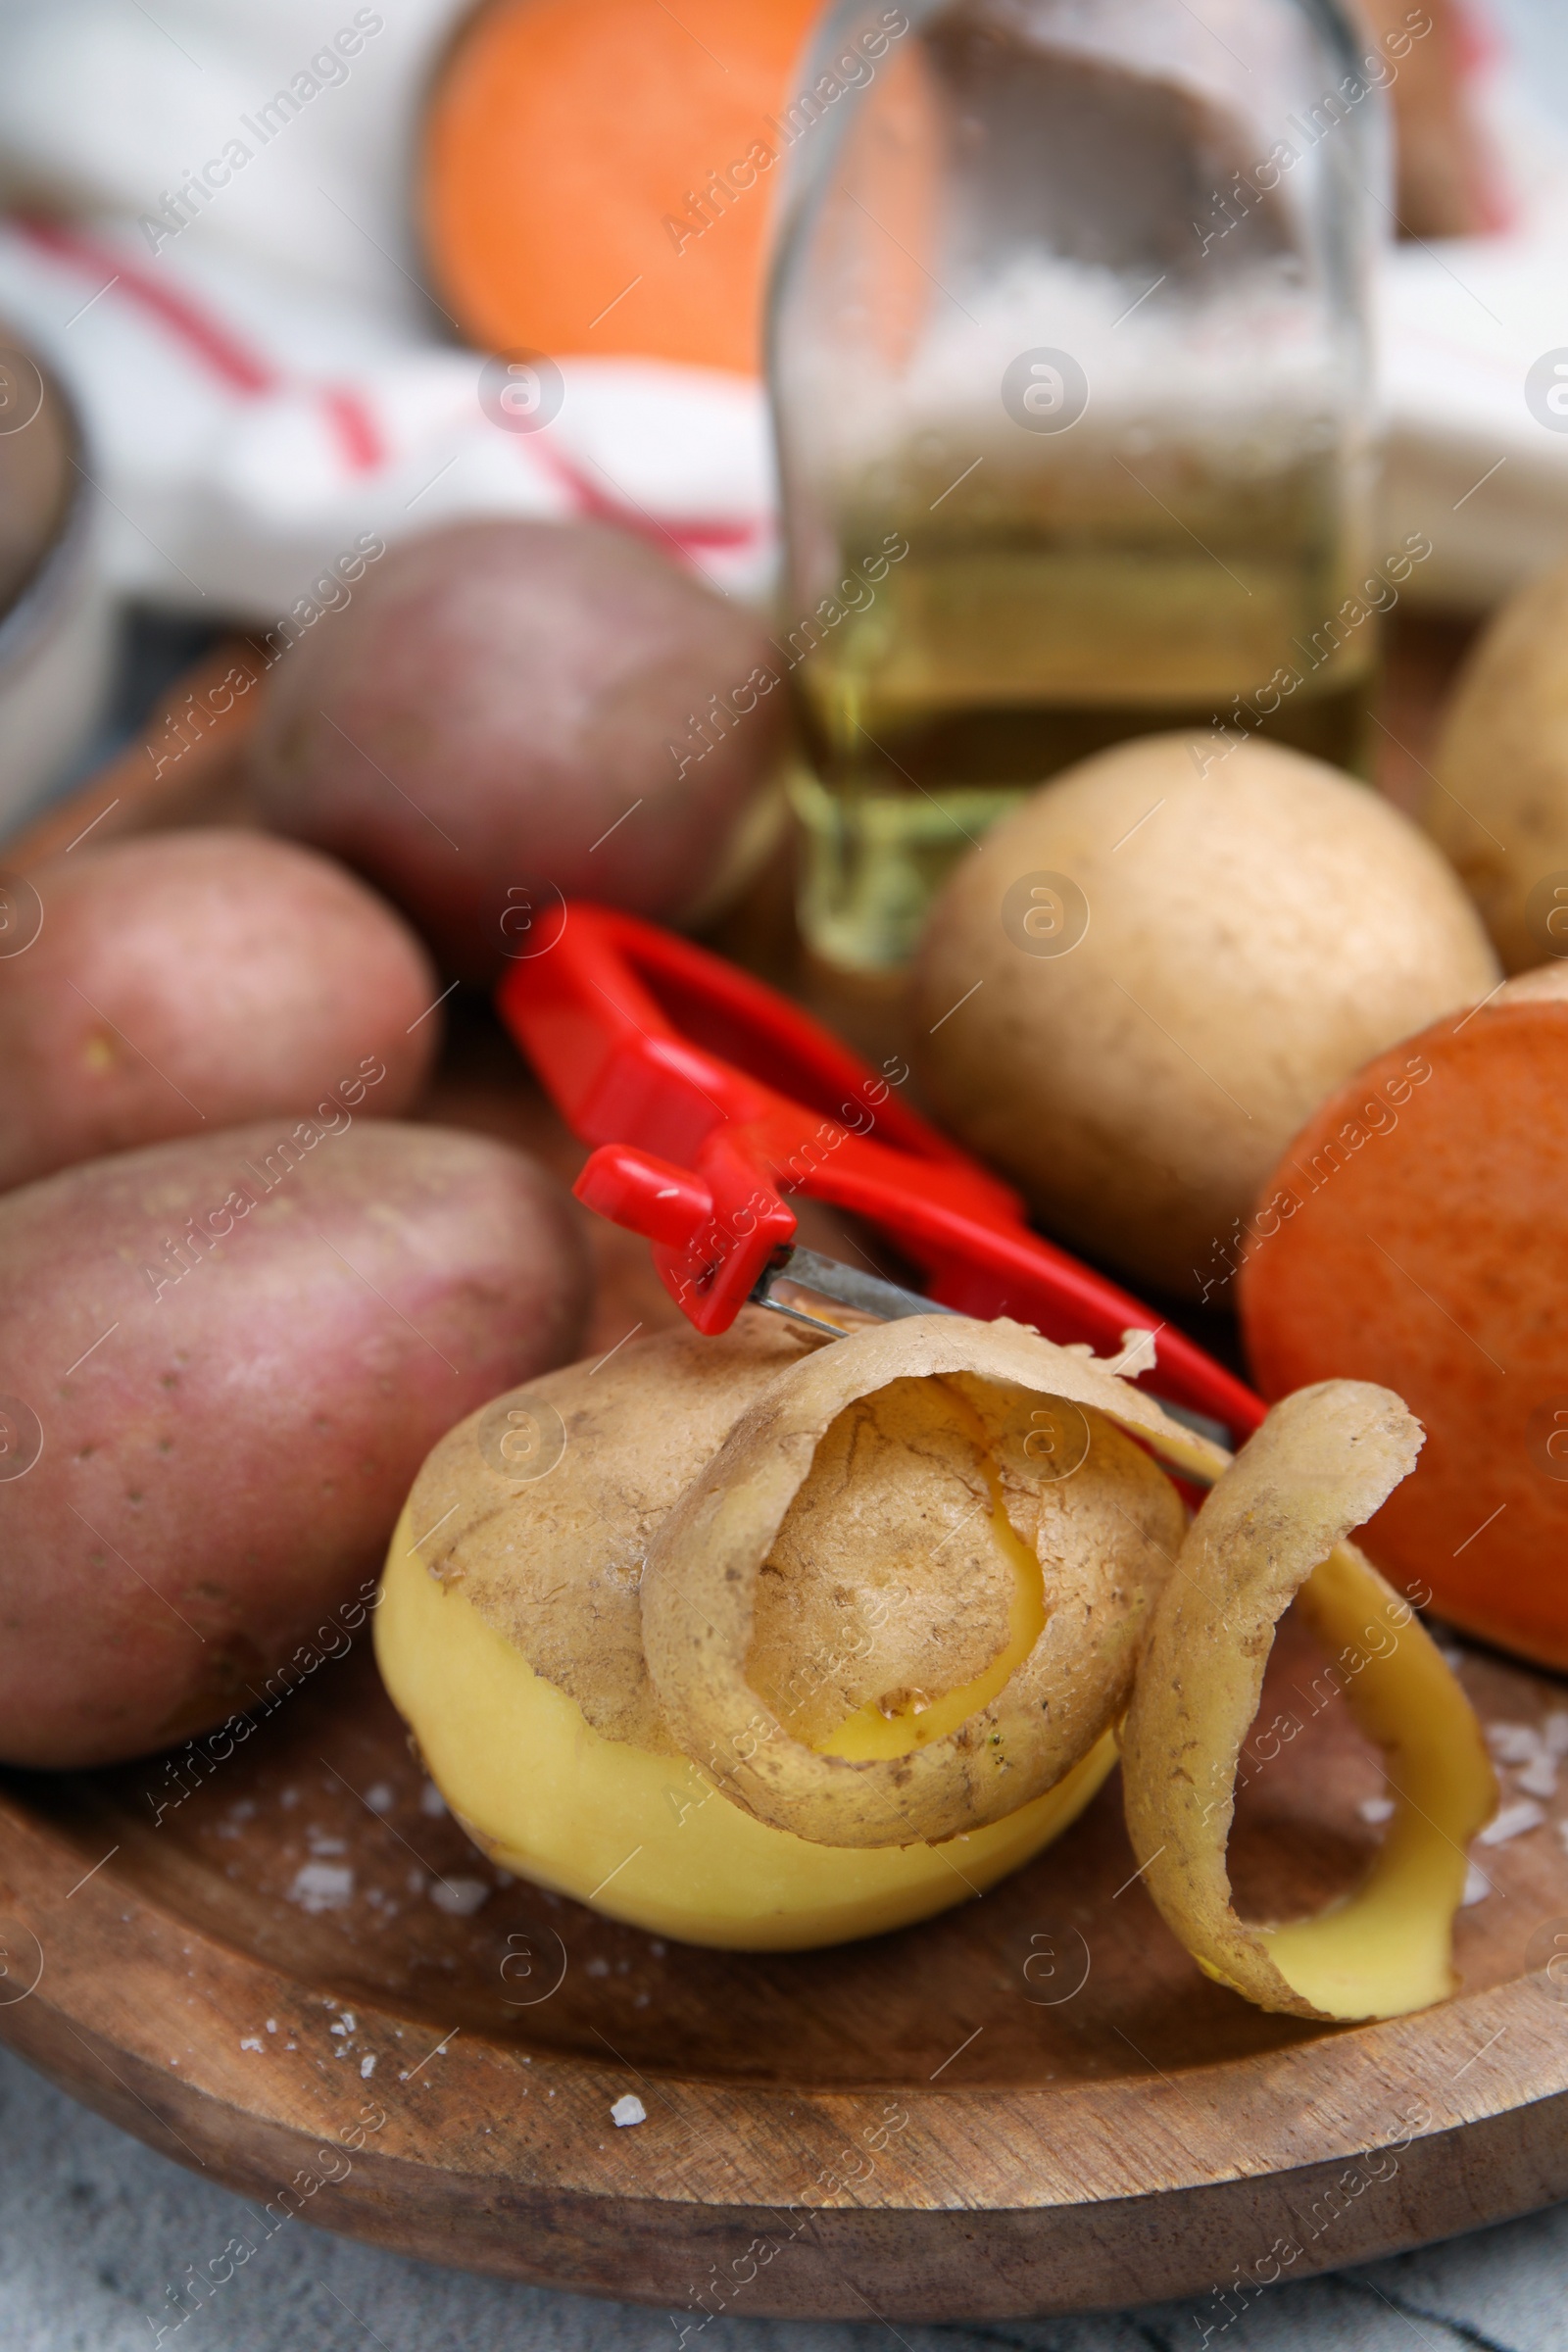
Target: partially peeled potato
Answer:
[[765, 1643]]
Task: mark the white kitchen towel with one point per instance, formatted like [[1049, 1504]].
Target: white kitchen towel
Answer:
[[243, 430], [268, 380]]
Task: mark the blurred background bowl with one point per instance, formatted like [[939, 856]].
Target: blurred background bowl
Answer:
[[56, 640]]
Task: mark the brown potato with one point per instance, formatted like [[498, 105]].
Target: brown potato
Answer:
[[191, 981], [1133, 993], [1499, 802], [226, 1358], [561, 1542], [510, 711]]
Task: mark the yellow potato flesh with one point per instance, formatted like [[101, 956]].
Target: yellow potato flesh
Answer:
[[868, 1732], [647, 1837], [1386, 1950]]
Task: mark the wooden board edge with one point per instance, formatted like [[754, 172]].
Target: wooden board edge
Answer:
[[724, 2162], [1229, 2239]]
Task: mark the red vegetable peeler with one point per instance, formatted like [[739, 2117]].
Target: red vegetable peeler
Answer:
[[710, 1099]]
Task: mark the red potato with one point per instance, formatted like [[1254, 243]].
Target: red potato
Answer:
[[1415, 1233], [511, 711], [1447, 181], [192, 981], [224, 1361]]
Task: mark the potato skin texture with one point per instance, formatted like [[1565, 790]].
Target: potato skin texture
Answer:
[[497, 697], [1254, 935], [226, 1452], [185, 981], [1499, 805]]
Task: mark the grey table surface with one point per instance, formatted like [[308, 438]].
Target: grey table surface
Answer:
[[94, 2226]]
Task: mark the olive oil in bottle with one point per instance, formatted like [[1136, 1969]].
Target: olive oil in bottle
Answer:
[[1062, 462]]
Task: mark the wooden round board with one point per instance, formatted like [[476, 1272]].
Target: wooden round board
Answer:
[[287, 1965], [301, 1977]]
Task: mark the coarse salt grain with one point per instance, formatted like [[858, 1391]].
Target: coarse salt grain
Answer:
[[1376, 1808], [1477, 1886], [322, 1887], [367, 2066], [1512, 1822], [458, 1898], [628, 2109], [1533, 1754]]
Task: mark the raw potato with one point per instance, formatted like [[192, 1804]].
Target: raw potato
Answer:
[[1417, 1233], [1272, 1527], [1499, 806], [1448, 182], [1100, 1540], [509, 711], [191, 981], [511, 1628], [560, 1581], [1253, 934], [645, 1836], [235, 1352], [732, 1646]]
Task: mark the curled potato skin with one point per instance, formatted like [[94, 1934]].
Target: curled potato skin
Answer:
[[741, 1510], [1319, 1466], [698, 1596], [554, 1563]]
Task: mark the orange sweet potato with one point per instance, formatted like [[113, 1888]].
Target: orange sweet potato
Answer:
[[598, 174], [1415, 1233]]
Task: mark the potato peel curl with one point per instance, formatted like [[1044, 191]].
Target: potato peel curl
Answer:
[[724, 1513], [1273, 1527], [700, 1586]]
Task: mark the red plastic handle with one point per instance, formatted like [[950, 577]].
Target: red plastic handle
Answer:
[[644, 1194], [712, 1099]]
